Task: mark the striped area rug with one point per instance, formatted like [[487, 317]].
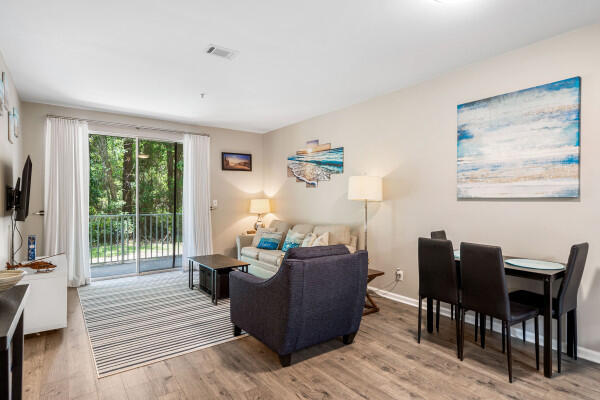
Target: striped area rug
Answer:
[[140, 320]]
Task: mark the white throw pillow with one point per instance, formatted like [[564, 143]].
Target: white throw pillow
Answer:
[[308, 240], [322, 240]]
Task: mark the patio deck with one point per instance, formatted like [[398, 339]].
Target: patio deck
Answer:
[[128, 267]]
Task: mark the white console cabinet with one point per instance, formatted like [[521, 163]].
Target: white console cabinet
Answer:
[[46, 306]]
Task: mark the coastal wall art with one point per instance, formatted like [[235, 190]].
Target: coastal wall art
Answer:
[[236, 162], [316, 162], [523, 144]]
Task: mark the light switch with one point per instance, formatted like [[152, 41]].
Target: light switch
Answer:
[[215, 203]]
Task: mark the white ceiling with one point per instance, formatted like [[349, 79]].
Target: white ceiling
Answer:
[[297, 59]]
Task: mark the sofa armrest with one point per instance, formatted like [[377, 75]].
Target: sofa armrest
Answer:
[[244, 240]]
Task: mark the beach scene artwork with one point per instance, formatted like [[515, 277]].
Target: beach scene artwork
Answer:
[[236, 162], [523, 144], [316, 162]]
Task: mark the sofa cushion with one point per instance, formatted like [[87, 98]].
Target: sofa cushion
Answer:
[[338, 234], [258, 235], [270, 240], [272, 257], [293, 239], [250, 252], [279, 226], [303, 228]]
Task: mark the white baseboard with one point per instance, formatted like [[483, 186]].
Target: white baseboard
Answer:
[[516, 331]]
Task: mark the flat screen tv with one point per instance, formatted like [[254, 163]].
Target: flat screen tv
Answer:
[[22, 197]]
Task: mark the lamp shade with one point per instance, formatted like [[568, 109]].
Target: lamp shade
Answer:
[[365, 188], [260, 206]]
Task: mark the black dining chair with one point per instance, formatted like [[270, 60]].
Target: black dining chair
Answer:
[[440, 235], [565, 302], [483, 289], [438, 277]]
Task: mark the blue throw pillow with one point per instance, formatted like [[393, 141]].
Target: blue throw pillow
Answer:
[[293, 239], [270, 241]]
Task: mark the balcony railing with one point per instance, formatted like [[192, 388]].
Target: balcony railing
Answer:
[[113, 237]]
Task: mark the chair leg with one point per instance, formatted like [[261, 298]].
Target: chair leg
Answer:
[[437, 315], [285, 360], [558, 342], [524, 328], [476, 324], [457, 333], [420, 312], [451, 311], [537, 343], [491, 324], [348, 339], [482, 330], [462, 332], [574, 334], [509, 353], [503, 337], [237, 331], [570, 333]]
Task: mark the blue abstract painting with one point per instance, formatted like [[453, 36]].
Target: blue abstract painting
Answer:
[[523, 144]]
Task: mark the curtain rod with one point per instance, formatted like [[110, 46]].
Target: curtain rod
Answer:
[[124, 125]]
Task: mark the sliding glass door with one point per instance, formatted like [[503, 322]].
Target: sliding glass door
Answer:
[[160, 177], [135, 205]]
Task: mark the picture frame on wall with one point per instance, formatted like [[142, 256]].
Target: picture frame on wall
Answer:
[[236, 162], [2, 95], [13, 125], [16, 122]]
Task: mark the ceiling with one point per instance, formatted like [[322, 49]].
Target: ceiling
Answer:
[[296, 60]]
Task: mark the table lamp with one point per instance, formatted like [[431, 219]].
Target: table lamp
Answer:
[[365, 188], [259, 207]]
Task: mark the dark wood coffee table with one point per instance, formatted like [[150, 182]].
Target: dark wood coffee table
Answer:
[[370, 305], [216, 265]]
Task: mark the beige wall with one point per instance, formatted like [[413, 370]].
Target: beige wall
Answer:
[[409, 138], [231, 189], [10, 163]]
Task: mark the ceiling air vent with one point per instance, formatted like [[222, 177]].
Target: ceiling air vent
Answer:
[[221, 52]]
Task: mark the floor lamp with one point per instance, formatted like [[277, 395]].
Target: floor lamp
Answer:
[[365, 188]]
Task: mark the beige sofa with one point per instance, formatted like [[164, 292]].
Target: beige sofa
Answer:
[[265, 263]]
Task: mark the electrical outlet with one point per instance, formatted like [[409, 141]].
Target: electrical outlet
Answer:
[[399, 275]]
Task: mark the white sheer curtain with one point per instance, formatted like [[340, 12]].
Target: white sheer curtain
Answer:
[[197, 230], [66, 197]]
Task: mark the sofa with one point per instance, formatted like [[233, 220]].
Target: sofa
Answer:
[[317, 294], [265, 263]]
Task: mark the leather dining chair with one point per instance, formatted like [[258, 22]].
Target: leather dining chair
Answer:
[[438, 277], [565, 302], [440, 235], [483, 289]]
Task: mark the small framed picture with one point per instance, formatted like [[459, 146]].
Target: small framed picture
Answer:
[[236, 162]]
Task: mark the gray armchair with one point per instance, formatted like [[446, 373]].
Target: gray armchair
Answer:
[[317, 295]]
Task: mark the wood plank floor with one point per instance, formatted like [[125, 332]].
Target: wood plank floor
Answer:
[[385, 362]]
